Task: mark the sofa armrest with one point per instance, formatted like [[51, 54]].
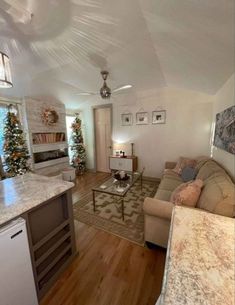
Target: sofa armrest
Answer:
[[158, 208], [170, 165]]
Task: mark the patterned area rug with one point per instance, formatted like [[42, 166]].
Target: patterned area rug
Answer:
[[108, 214]]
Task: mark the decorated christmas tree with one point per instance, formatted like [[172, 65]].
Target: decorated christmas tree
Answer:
[[77, 146], [16, 153]]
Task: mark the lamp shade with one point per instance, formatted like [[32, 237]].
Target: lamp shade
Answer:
[[5, 72]]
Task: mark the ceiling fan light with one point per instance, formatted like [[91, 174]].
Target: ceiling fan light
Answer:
[[105, 91], [5, 71]]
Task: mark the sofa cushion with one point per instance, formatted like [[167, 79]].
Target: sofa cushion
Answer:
[[188, 174], [182, 163], [168, 184], [187, 193], [218, 194]]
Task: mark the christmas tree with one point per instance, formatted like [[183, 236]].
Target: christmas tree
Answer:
[[16, 153], [77, 146]]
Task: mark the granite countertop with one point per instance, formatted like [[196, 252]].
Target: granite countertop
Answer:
[[22, 193], [200, 259]]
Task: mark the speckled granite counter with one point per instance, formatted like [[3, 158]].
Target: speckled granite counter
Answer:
[[22, 193], [200, 268]]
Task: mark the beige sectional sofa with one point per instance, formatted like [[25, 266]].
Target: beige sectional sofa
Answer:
[[217, 196]]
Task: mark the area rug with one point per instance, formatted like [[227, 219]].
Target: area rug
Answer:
[[108, 214]]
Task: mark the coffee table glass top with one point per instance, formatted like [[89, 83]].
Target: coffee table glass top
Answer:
[[112, 185]]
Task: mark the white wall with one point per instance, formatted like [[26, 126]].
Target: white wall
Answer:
[[187, 131], [223, 100]]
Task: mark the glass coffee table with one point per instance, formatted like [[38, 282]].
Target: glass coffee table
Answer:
[[112, 187]]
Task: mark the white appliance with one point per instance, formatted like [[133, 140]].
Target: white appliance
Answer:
[[17, 285]]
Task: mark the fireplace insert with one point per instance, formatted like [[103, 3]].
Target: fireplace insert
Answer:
[[50, 155]]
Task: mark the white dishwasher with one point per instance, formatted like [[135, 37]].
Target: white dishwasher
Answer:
[[17, 285]]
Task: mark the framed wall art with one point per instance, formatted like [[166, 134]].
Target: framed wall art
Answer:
[[127, 119], [159, 117], [142, 118], [225, 130]]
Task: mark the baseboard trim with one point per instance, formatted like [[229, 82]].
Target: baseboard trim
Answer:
[[90, 170], [152, 179]]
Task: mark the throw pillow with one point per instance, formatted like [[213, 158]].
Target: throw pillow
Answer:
[[187, 193], [188, 173], [182, 163]]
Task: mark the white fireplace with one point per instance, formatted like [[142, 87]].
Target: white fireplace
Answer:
[[48, 143]]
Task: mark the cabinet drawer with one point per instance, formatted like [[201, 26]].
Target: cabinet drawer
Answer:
[[121, 164]]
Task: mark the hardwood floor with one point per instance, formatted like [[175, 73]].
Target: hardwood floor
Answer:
[[108, 270], [85, 183]]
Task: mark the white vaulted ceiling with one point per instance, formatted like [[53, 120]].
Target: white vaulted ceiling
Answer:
[[150, 44]]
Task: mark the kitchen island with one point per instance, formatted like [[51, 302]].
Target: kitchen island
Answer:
[[46, 205], [200, 260]]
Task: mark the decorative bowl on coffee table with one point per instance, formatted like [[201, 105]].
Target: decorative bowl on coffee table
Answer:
[[122, 181]]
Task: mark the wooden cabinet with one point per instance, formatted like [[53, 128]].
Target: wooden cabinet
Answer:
[[127, 164]]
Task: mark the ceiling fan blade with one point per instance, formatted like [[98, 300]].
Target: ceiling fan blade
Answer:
[[122, 88], [85, 93]]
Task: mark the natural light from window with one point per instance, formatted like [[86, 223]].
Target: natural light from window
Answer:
[[3, 112], [69, 120]]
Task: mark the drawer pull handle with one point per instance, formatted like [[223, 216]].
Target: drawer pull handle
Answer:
[[17, 233]]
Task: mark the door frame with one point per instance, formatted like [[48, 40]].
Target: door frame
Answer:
[[110, 106]]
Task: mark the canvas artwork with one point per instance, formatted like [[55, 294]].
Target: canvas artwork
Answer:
[[225, 130]]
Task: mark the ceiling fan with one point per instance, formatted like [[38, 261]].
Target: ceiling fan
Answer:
[[105, 91]]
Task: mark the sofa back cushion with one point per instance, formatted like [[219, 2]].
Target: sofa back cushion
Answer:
[[201, 161], [218, 194], [209, 168]]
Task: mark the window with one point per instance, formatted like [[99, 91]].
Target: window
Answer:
[[3, 112], [69, 121]]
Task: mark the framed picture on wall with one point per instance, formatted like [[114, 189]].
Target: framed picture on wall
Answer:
[[224, 137], [142, 118], [159, 117], [127, 119]]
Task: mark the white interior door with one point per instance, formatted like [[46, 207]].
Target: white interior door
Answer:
[[103, 138]]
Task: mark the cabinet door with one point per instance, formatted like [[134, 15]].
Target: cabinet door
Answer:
[[127, 165], [16, 276], [114, 163], [121, 164]]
